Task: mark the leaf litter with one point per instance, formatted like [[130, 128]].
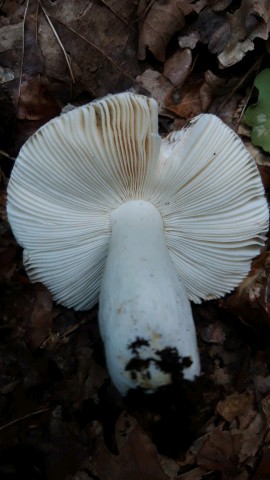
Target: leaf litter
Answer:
[[61, 418]]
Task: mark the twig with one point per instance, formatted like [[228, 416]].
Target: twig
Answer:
[[23, 47], [241, 81], [73, 328], [248, 96], [115, 13], [104, 55], [37, 13], [59, 41], [146, 10], [28, 415], [5, 154]]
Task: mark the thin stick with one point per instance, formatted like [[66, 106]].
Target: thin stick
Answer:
[[115, 13], [59, 41], [37, 13], [104, 55], [147, 9], [241, 81], [23, 47], [28, 415], [248, 96], [5, 154]]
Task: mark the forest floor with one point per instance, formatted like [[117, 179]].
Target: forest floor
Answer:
[[60, 416]]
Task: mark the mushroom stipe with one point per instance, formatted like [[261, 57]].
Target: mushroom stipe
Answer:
[[107, 211]]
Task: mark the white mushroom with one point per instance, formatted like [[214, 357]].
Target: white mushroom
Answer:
[[107, 211]]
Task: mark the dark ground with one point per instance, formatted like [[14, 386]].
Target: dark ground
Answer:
[[60, 416]]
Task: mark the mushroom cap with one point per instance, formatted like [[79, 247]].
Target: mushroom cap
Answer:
[[79, 167]]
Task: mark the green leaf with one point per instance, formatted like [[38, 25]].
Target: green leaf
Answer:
[[258, 116]]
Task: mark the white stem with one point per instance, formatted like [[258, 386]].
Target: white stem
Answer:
[[145, 316]]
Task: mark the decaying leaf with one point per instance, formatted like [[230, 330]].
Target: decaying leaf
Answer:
[[262, 159], [220, 452], [195, 96], [250, 21], [229, 450], [266, 408], [229, 34], [237, 405], [156, 83], [250, 301], [30, 304], [162, 21], [35, 102], [90, 45], [194, 474], [11, 51], [186, 102], [98, 38], [8, 252], [209, 28], [263, 471], [252, 438], [137, 456], [178, 66]]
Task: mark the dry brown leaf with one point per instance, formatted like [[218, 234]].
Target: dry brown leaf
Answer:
[[242, 476], [266, 409], [137, 456], [91, 376], [220, 5], [35, 102], [222, 376], [196, 94], [263, 384], [251, 300], [228, 451], [213, 333], [32, 307], [209, 28], [220, 452], [41, 316], [21, 53], [236, 405], [156, 83], [194, 474], [212, 87], [8, 252], [169, 466], [98, 38], [11, 53], [186, 102], [252, 438], [178, 66], [263, 470], [76, 46], [250, 21], [189, 6], [162, 21], [262, 158], [229, 35]]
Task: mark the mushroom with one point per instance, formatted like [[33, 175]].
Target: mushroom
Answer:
[[108, 211]]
